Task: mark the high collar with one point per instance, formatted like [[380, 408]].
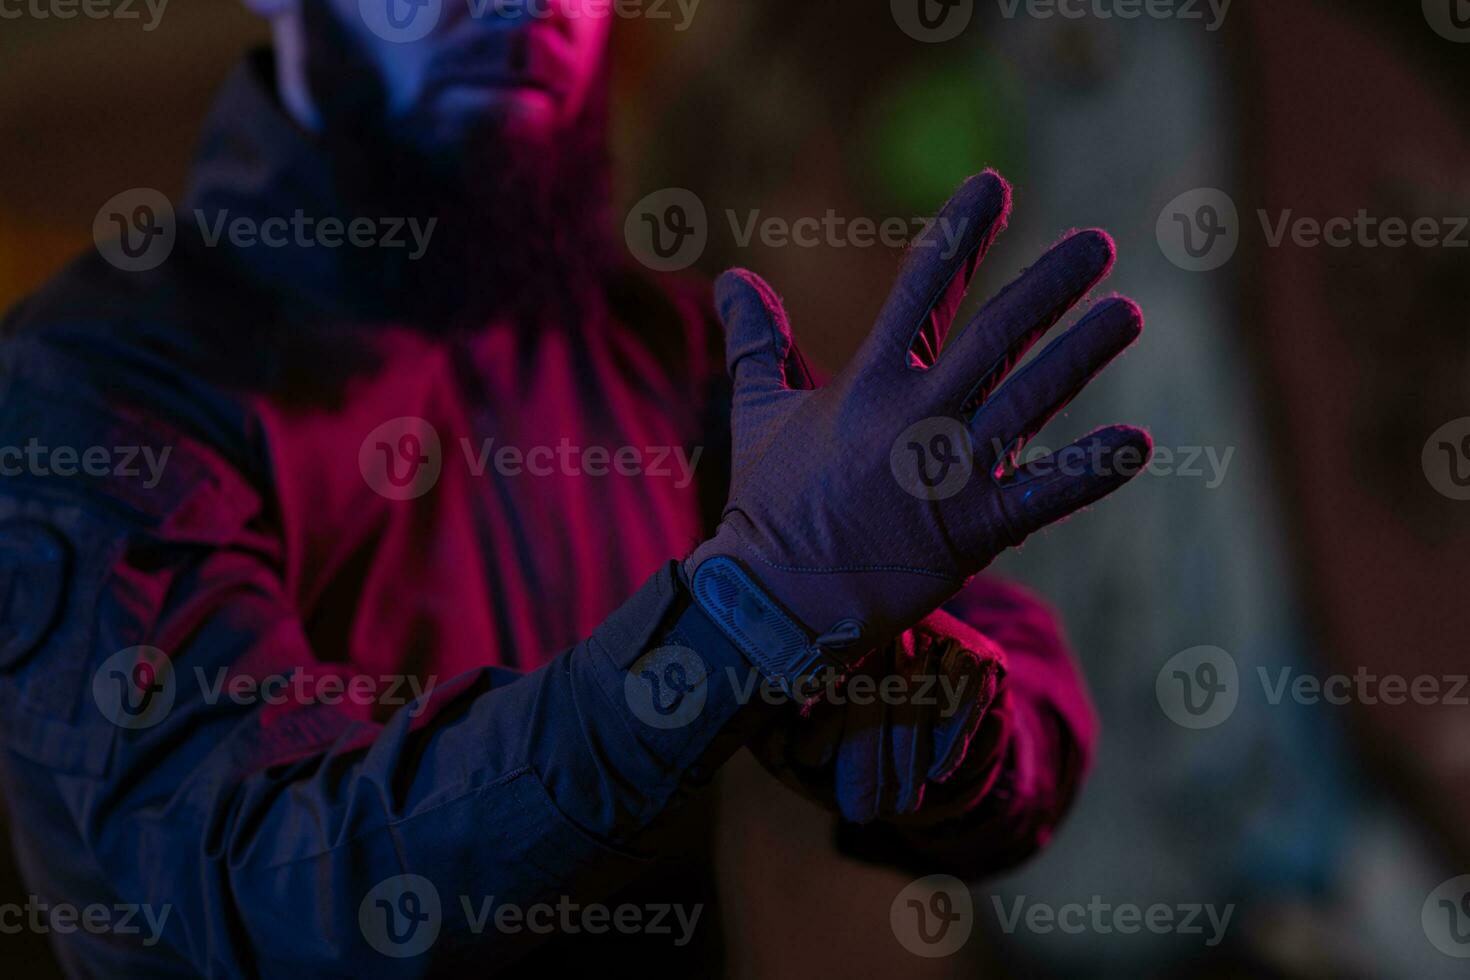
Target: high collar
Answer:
[[254, 161]]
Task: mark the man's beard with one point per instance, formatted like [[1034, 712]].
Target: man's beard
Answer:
[[521, 230]]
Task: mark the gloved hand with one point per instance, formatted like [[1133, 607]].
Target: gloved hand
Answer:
[[902, 722], [858, 508]]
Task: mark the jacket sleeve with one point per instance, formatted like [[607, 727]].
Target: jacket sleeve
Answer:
[[1024, 766], [148, 670]]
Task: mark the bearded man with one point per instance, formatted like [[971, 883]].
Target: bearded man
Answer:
[[410, 628]]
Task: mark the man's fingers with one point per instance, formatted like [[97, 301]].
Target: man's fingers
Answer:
[[1041, 389], [758, 346], [935, 274], [979, 357], [1053, 487]]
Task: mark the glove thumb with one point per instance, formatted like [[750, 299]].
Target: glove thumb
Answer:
[[759, 352]]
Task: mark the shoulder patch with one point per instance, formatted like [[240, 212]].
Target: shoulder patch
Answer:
[[33, 575]]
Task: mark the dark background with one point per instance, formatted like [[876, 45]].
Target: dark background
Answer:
[[1323, 548]]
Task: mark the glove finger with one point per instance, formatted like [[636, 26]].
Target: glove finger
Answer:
[[817, 736], [935, 275], [911, 740], [1055, 486], [1048, 384], [758, 344], [857, 777], [905, 725], [1005, 329], [972, 683]]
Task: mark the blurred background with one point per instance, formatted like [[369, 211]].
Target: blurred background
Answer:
[[1306, 523]]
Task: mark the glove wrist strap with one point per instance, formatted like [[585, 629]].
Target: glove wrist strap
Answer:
[[779, 647]]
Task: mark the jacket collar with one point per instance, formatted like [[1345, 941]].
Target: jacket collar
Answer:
[[254, 162]]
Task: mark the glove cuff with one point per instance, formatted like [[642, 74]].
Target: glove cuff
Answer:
[[781, 649]]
